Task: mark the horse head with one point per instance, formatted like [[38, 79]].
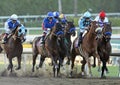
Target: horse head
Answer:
[[19, 32], [57, 30], [70, 28], [107, 32], [95, 29]]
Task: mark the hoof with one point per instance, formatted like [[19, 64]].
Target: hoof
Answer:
[[93, 65], [18, 68], [103, 77], [37, 67], [68, 62], [33, 70]]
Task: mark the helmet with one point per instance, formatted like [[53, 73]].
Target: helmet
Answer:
[[56, 14], [49, 14], [63, 21], [14, 17], [102, 14], [62, 16], [87, 14]]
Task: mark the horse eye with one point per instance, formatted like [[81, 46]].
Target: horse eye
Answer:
[[20, 30], [25, 30]]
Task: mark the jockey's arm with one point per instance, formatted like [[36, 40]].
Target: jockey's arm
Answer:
[[96, 19], [6, 27], [81, 26]]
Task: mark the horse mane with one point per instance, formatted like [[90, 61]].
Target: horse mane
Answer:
[[57, 26], [13, 32]]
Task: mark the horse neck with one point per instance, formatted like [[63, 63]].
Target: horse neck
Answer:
[[67, 37], [15, 37], [103, 41], [91, 34], [53, 37]]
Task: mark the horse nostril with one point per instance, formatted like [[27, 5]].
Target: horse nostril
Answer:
[[20, 30], [25, 30]]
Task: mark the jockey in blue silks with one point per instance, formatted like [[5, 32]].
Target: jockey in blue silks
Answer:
[[10, 25], [83, 23], [56, 16], [48, 23]]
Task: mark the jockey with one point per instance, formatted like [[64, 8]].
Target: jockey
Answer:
[[48, 23], [83, 23], [101, 19], [9, 26], [63, 20], [56, 16]]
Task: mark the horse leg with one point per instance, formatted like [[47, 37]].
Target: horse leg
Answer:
[[68, 56], [72, 65], [103, 69], [19, 62], [34, 61], [10, 66], [89, 65], [94, 64], [55, 66], [99, 61], [58, 69], [106, 69], [83, 66], [42, 59]]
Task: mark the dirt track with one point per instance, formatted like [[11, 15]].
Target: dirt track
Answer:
[[56, 81]]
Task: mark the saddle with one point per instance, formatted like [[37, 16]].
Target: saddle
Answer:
[[44, 40]]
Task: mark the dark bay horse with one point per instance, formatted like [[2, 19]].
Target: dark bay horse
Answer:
[[65, 41], [87, 48], [104, 46], [13, 47], [64, 45], [52, 47]]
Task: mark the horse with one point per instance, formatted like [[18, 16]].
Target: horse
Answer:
[[65, 41], [104, 46], [13, 47], [49, 49], [52, 47], [87, 48], [37, 49]]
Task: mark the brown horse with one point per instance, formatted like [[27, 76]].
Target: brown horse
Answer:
[[37, 49], [13, 47], [104, 46], [50, 49], [87, 48]]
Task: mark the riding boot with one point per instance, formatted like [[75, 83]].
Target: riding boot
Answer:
[[42, 40], [80, 39], [5, 38]]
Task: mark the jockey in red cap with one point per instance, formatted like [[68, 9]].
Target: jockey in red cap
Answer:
[[101, 18]]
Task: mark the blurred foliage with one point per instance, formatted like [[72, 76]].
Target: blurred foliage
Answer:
[[36, 7]]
